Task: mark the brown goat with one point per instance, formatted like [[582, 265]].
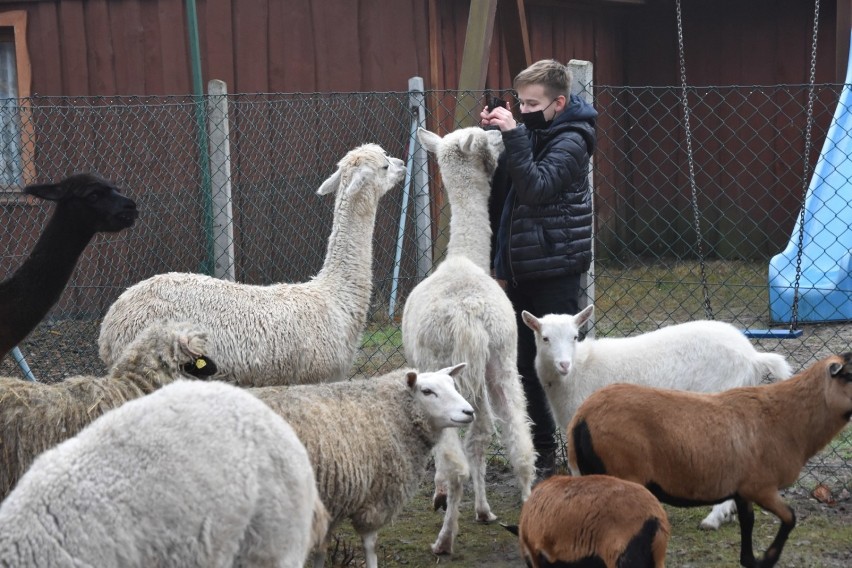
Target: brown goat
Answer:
[[595, 521], [695, 449]]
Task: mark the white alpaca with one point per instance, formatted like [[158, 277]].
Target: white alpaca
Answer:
[[302, 333], [459, 313]]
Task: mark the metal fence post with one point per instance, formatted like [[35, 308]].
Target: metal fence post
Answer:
[[416, 184], [220, 174], [582, 86]]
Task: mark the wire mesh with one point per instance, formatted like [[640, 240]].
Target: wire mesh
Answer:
[[748, 148]]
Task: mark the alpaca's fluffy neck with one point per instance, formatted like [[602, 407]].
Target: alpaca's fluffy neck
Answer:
[[470, 227], [348, 266], [36, 286]]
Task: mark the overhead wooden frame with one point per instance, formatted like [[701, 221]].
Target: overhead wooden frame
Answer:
[[477, 49]]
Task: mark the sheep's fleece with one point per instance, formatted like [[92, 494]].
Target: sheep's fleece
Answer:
[[196, 474]]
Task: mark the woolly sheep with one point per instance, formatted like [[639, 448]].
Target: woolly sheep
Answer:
[[302, 333], [369, 441], [196, 474], [700, 356], [696, 448], [37, 416], [595, 520], [85, 205], [460, 313]]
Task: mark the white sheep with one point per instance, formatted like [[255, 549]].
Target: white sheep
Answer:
[[594, 520], [369, 441], [196, 474], [37, 416], [303, 333], [700, 356], [460, 313], [691, 448], [85, 205]]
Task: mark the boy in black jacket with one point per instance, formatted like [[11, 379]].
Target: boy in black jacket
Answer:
[[541, 217]]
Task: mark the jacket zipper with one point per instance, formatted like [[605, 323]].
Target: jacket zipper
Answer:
[[509, 243]]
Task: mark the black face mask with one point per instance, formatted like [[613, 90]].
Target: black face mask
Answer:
[[535, 120]]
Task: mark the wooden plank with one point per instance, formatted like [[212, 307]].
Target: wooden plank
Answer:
[[843, 28], [99, 43], [474, 66], [218, 42], [127, 35], [73, 48], [251, 54], [152, 55], [513, 24], [45, 51], [296, 54], [173, 43], [384, 28], [338, 65]]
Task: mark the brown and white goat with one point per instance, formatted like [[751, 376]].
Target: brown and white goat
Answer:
[[596, 520], [695, 449]]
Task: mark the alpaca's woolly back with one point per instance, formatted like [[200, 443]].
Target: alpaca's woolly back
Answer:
[[192, 475], [36, 416], [369, 442], [297, 332]]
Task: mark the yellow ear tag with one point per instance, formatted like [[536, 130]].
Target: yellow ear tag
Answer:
[[200, 363]]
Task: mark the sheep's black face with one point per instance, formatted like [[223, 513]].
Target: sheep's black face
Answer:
[[203, 366]]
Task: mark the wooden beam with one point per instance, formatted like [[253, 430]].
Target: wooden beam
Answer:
[[843, 27], [474, 67], [513, 24]]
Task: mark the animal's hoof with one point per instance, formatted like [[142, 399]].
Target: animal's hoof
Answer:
[[439, 501], [707, 526], [487, 517], [441, 548]]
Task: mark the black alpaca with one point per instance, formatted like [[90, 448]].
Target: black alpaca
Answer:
[[85, 205]]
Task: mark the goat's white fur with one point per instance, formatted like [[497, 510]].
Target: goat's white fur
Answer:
[[303, 333], [699, 356], [460, 313]]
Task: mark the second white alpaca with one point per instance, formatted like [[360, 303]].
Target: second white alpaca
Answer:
[[459, 313], [303, 333]]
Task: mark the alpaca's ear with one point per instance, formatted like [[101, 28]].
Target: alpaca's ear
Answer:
[[358, 179], [466, 143], [49, 191], [331, 184], [203, 366], [430, 140], [532, 322]]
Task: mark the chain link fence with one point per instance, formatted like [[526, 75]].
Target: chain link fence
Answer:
[[748, 161]]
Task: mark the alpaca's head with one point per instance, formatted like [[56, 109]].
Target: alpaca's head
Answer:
[[92, 202], [363, 176], [467, 158]]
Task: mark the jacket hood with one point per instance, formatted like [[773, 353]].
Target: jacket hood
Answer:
[[580, 116]]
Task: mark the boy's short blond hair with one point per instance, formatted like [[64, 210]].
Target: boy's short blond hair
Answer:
[[555, 77]]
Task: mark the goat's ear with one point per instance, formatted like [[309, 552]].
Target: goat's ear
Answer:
[[49, 191], [835, 369], [532, 322], [331, 184], [454, 370], [430, 140], [584, 315], [411, 379]]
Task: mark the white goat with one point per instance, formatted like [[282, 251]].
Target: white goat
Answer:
[[700, 356], [691, 448], [303, 333], [196, 474], [460, 313]]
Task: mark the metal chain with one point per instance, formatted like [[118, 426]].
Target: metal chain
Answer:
[[794, 314], [708, 310]]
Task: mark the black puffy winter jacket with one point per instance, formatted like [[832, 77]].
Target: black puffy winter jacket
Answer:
[[541, 207]]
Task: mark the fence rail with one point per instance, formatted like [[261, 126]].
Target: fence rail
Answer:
[[748, 145]]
